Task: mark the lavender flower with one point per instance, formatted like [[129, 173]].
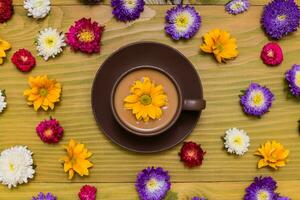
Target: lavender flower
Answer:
[[153, 183], [261, 188], [235, 7], [182, 22], [256, 100], [280, 18], [292, 76], [42, 196], [127, 10]]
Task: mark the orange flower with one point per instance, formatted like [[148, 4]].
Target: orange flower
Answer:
[[274, 155]]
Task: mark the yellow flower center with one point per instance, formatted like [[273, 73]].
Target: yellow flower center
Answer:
[[219, 47], [297, 79], [130, 3], [38, 3], [182, 20], [152, 184], [145, 99], [258, 99], [48, 133], [281, 17], [238, 140], [237, 6], [43, 92], [11, 167], [270, 54], [50, 41], [262, 195], [86, 36]]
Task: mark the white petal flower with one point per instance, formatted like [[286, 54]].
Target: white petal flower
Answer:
[[236, 141], [37, 8], [50, 43], [2, 101], [16, 166]]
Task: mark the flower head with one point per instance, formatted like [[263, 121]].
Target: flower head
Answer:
[[37, 8], [271, 54], [3, 103], [43, 92], [127, 10], [263, 188], [85, 36], [6, 10], [273, 154], [182, 22], [50, 43], [235, 7], [42, 196], [16, 166], [77, 159], [280, 18], [50, 131], [23, 60], [292, 76], [146, 100], [221, 44], [191, 154], [87, 192], [236, 141], [4, 46], [153, 183], [256, 100]]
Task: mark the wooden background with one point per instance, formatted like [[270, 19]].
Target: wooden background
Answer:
[[222, 176]]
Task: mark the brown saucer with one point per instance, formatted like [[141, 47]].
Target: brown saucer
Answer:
[[139, 54]]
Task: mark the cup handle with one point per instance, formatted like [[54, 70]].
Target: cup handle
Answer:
[[194, 104]]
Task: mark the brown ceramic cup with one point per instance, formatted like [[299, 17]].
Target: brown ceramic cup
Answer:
[[183, 104]]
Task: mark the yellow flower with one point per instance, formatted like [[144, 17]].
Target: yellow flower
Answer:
[[220, 44], [274, 155], [43, 92], [76, 159], [146, 100], [3, 47]]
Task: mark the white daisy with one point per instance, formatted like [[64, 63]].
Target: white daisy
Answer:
[[236, 141], [37, 8], [50, 43], [2, 101], [16, 166]]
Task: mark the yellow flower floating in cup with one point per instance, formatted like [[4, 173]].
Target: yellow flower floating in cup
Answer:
[[274, 155], [221, 44], [43, 92], [76, 159], [4, 46], [146, 100]]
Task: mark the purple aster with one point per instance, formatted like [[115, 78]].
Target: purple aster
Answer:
[[235, 7], [292, 76], [283, 198], [42, 196], [127, 10], [182, 22], [256, 100], [280, 18], [263, 188], [153, 183], [199, 198]]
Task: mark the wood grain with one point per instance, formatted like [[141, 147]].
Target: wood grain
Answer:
[[222, 84], [126, 191]]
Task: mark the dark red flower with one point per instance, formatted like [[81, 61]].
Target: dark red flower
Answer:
[[191, 154], [23, 60], [271, 54], [6, 10], [87, 192], [49, 131]]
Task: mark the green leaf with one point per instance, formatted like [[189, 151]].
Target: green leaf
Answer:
[[171, 196]]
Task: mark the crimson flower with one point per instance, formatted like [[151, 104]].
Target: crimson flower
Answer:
[[23, 60], [191, 154]]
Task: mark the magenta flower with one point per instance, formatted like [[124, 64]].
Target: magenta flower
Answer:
[[271, 54], [87, 192], [85, 36], [49, 131]]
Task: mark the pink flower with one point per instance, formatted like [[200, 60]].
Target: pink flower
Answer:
[[271, 54], [50, 131], [85, 36], [87, 192]]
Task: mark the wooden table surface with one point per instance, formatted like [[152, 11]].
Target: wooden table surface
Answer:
[[222, 176]]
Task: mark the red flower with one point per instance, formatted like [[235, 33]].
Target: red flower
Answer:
[[6, 10], [191, 154], [87, 192], [50, 131], [271, 54], [23, 60]]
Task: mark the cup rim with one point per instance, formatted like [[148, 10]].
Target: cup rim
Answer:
[[159, 131]]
